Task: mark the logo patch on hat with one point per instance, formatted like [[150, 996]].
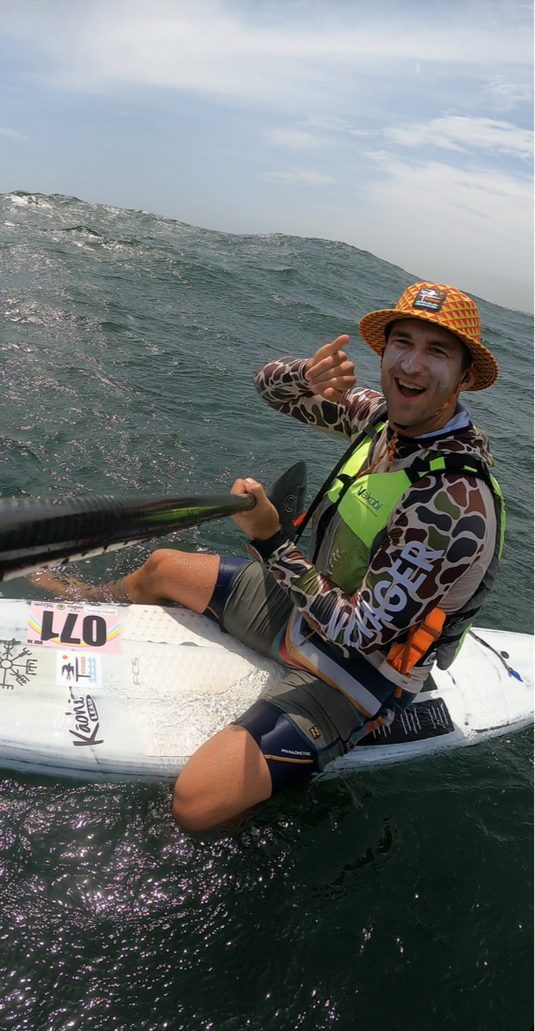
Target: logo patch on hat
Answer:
[[429, 299]]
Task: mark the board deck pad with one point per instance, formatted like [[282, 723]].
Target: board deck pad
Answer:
[[122, 692], [419, 722]]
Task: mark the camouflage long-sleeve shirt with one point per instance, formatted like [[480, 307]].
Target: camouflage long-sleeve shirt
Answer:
[[453, 517]]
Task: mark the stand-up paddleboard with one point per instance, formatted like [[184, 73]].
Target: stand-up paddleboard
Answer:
[[107, 692]]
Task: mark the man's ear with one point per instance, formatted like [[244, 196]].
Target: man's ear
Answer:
[[468, 378]]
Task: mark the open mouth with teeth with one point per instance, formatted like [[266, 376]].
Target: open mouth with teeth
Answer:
[[409, 389]]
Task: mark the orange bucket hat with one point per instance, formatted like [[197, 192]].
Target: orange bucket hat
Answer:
[[445, 306]]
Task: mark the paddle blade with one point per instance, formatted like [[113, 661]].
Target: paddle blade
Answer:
[[288, 496]]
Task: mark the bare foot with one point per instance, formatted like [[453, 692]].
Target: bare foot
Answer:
[[61, 585]]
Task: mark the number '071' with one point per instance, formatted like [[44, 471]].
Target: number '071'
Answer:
[[93, 632]]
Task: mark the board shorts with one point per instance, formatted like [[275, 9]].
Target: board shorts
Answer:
[[300, 723]]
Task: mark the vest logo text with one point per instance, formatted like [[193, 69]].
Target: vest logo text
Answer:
[[369, 498]]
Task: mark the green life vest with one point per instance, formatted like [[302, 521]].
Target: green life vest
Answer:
[[364, 504]]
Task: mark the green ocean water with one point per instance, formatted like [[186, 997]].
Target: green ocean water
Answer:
[[396, 898]]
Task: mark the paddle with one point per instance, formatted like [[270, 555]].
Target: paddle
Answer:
[[37, 533]]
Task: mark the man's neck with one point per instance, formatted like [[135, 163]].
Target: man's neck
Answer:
[[455, 420]]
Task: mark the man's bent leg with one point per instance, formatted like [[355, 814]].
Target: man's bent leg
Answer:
[[222, 780], [166, 576], [179, 576], [261, 754]]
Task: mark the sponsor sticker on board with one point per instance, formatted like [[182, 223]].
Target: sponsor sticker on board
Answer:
[[74, 627], [17, 665], [84, 721], [78, 668]]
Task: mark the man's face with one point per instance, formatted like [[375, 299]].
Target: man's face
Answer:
[[422, 365]]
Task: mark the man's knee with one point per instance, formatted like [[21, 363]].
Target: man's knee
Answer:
[[160, 561], [157, 566], [199, 812], [226, 777], [177, 576], [190, 813]]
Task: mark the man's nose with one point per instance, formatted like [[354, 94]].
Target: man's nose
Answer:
[[413, 362]]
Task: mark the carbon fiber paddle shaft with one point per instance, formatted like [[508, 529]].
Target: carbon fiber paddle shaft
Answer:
[[39, 533]]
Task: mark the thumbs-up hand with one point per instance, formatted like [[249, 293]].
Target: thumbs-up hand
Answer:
[[329, 372]]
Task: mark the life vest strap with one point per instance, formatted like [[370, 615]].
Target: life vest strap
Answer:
[[403, 655], [449, 462]]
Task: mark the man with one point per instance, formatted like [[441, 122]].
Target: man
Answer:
[[405, 540], [404, 549]]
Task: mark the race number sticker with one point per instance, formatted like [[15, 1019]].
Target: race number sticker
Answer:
[[76, 669], [56, 625]]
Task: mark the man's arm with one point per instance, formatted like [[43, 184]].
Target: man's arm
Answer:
[[319, 391]]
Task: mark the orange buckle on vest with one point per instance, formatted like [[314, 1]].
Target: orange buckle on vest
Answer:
[[402, 656]]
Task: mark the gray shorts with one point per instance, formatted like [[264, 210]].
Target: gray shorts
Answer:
[[324, 722]]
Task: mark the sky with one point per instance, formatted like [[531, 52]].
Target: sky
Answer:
[[402, 128]]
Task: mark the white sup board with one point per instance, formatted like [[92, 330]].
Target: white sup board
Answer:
[[116, 692]]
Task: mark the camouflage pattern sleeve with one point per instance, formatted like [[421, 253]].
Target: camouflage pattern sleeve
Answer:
[[438, 544], [282, 384]]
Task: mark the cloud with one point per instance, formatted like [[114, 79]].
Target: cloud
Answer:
[[297, 178], [275, 54], [505, 95], [11, 132], [332, 124], [482, 193], [461, 132], [293, 139], [467, 225]]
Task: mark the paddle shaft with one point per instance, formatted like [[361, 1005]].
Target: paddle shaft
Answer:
[[36, 534]]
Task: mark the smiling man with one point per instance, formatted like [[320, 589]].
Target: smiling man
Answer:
[[406, 534]]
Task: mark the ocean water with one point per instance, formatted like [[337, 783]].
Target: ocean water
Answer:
[[387, 898]]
